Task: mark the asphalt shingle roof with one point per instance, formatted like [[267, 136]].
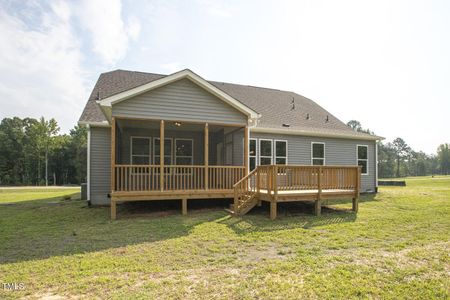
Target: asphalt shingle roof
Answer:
[[275, 106]]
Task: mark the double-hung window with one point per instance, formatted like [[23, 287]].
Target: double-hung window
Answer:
[[280, 152], [140, 150], [252, 154], [184, 150], [265, 152], [167, 151], [362, 158], [318, 154]]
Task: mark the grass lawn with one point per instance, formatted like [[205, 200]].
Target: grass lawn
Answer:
[[397, 246], [10, 195]]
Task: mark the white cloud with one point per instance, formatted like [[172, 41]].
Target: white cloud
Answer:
[[109, 34], [216, 8], [133, 28], [40, 68]]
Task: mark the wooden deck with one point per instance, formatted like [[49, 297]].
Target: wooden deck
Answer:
[[281, 183], [273, 184]]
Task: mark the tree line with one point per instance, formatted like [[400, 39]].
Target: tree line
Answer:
[[398, 159], [32, 152]]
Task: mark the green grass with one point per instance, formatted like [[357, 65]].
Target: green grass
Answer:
[[396, 247], [10, 195]]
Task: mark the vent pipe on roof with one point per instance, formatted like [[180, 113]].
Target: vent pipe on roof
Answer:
[[293, 104], [307, 116], [328, 119]]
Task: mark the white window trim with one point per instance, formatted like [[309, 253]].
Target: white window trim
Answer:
[[275, 150], [175, 150], [256, 152], [324, 153], [171, 150], [264, 156], [366, 159], [149, 148]]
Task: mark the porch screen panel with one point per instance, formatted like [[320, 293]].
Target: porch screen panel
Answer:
[[184, 151], [140, 150], [167, 151]]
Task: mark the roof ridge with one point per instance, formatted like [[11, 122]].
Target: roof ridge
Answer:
[[131, 71], [210, 81], [251, 86]]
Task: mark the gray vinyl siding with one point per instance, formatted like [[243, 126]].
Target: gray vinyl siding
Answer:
[[337, 152], [181, 100], [100, 165]]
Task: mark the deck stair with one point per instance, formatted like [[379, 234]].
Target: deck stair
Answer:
[[245, 194]]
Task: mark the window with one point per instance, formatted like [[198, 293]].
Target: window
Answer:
[[184, 151], [265, 152], [318, 154], [252, 154], [167, 151], [140, 150], [281, 152], [363, 159]]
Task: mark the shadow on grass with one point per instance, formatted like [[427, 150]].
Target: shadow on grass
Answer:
[[290, 216], [57, 200], [44, 228]]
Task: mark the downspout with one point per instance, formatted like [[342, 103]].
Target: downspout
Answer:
[[376, 166], [88, 164]]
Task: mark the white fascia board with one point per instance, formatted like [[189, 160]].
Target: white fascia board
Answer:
[[114, 99], [314, 133], [94, 124]]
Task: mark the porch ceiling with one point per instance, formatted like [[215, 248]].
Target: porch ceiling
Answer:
[[169, 125]]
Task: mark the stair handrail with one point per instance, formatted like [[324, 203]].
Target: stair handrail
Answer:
[[245, 178]]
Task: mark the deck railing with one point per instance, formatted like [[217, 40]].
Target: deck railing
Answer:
[[272, 179], [136, 178]]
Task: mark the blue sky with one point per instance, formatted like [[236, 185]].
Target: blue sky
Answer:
[[384, 63]]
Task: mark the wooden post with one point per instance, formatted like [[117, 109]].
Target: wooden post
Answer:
[[184, 206], [246, 149], [161, 155], [206, 150], [113, 209], [357, 187], [275, 180], [318, 204], [273, 202], [236, 202], [273, 210], [258, 184]]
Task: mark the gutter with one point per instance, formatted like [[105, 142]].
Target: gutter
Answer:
[[315, 133]]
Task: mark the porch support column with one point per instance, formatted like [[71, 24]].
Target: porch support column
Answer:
[[246, 144], [206, 150], [161, 155], [113, 154]]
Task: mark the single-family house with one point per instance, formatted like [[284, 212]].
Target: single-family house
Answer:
[[179, 136]]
